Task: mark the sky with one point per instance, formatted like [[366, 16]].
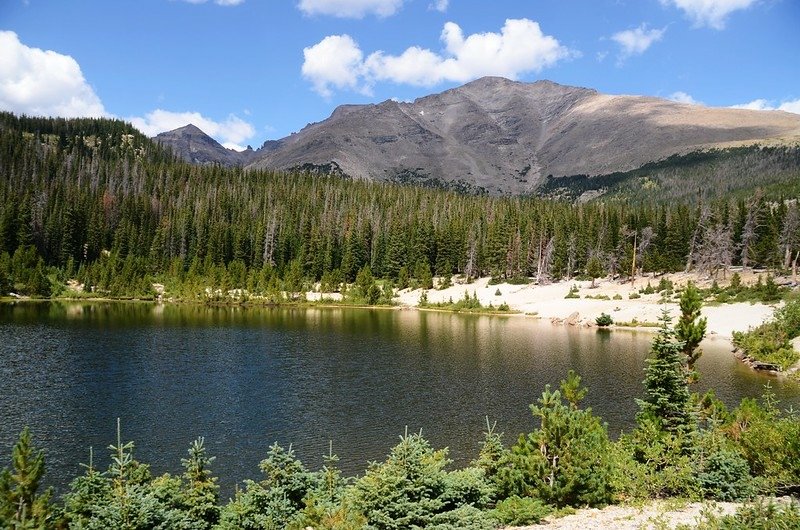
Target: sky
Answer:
[[246, 71]]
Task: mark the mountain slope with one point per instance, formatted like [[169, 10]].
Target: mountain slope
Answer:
[[193, 145], [507, 137]]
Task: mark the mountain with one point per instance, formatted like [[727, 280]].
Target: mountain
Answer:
[[503, 136], [193, 145]]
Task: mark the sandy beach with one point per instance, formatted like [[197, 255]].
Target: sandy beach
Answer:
[[550, 302]]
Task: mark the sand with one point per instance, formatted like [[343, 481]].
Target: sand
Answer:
[[652, 515], [549, 302]]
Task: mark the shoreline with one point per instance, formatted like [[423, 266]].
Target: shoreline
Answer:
[[541, 302], [550, 302]]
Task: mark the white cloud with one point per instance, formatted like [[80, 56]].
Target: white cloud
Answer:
[[225, 3], [439, 5], [711, 13], [756, 104], [791, 106], [232, 132], [520, 47], [335, 61], [636, 41], [683, 97], [765, 104], [350, 8], [43, 82]]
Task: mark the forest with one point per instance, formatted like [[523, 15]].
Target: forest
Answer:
[[92, 207], [684, 445]]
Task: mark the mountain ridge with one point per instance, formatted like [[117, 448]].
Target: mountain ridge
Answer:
[[502, 136]]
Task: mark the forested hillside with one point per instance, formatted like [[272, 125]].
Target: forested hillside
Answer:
[[94, 200]]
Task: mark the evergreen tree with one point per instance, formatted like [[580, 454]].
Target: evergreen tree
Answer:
[[201, 494], [565, 461], [21, 504], [667, 399], [691, 329]]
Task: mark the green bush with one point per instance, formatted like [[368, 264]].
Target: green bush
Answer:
[[412, 489], [604, 320], [647, 290], [634, 296], [565, 462], [771, 341], [769, 440], [573, 292], [759, 515], [722, 471], [518, 511]]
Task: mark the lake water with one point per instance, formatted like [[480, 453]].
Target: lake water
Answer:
[[246, 377]]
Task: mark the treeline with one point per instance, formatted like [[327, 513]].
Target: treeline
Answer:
[[684, 445], [734, 171], [95, 201]]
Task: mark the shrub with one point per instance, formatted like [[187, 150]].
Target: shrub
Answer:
[[604, 320], [498, 293], [725, 476], [760, 515], [412, 489], [573, 292], [771, 341], [665, 285], [634, 296], [566, 461], [518, 511]]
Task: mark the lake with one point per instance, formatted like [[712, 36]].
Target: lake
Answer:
[[247, 377]]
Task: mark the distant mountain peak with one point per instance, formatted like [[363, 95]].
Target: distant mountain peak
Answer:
[[193, 145], [499, 135]]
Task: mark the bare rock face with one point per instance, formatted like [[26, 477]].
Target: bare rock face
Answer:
[[508, 137], [195, 146]]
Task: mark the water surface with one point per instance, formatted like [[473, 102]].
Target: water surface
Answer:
[[245, 378]]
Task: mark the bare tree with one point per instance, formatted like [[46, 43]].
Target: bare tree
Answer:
[[545, 262], [699, 230], [572, 250], [470, 269], [269, 241], [790, 235], [715, 251], [751, 225]]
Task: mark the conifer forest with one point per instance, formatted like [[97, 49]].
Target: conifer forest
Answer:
[[94, 203]]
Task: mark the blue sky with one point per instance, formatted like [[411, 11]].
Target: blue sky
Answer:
[[250, 70]]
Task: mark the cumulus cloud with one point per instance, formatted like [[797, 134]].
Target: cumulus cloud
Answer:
[[683, 97], [43, 82], [711, 13], [439, 5], [520, 47], [231, 132], [765, 104], [636, 41], [350, 8], [336, 61]]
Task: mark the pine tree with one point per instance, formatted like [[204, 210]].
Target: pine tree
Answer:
[[565, 461], [691, 329], [201, 493], [667, 399], [21, 505]]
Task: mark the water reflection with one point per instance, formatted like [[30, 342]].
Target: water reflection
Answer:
[[245, 377]]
